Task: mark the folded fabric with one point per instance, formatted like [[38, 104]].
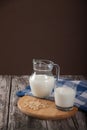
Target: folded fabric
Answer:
[[81, 96]]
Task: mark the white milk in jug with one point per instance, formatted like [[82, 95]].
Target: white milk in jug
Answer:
[[41, 85]]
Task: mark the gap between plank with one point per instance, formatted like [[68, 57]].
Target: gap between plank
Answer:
[[9, 102]]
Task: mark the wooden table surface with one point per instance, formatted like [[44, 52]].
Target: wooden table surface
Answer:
[[11, 118]]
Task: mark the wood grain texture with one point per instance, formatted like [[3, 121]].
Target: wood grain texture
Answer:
[[47, 113], [80, 120], [4, 101], [11, 118], [77, 122], [18, 120]]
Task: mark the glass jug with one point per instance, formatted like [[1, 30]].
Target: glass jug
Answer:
[[42, 81]]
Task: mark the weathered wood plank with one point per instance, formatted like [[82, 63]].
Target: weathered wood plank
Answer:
[[80, 120], [77, 122], [73, 77], [17, 120], [66, 124], [4, 101]]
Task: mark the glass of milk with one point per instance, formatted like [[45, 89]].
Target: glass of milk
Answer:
[[42, 81], [64, 96]]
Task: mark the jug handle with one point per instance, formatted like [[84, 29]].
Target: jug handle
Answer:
[[57, 71]]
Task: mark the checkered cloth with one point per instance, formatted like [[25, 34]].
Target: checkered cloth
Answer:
[[81, 96]]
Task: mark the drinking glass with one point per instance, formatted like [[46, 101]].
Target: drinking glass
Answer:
[[64, 95]]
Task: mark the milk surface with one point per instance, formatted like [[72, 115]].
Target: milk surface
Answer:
[[41, 85], [64, 96]]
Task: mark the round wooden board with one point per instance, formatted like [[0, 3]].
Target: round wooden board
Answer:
[[48, 113]]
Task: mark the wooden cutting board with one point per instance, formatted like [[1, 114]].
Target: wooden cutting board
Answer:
[[42, 109]]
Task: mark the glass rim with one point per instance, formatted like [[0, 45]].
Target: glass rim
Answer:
[[35, 61]]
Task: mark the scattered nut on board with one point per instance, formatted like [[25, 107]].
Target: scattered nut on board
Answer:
[[35, 104]]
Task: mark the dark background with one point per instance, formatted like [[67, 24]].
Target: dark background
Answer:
[[54, 30]]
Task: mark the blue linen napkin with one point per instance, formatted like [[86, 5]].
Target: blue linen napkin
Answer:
[[81, 96]]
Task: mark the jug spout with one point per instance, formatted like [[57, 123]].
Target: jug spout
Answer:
[[42, 65]]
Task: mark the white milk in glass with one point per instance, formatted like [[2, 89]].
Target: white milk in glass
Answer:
[[64, 96], [41, 85]]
